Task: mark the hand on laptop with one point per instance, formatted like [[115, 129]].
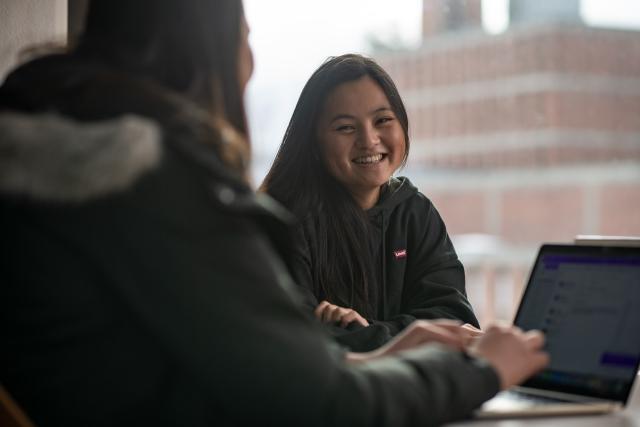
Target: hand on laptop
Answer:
[[470, 333], [448, 332], [515, 355]]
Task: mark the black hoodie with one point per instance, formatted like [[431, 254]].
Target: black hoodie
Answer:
[[419, 275]]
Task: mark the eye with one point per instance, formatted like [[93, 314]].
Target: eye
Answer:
[[345, 128], [385, 119]]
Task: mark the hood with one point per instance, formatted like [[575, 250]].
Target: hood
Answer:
[[72, 128], [51, 157], [394, 193], [64, 136]]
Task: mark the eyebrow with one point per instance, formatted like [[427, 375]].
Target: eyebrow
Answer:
[[348, 116]]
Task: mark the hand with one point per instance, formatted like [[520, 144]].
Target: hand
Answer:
[[470, 333], [515, 355], [331, 313], [420, 332]]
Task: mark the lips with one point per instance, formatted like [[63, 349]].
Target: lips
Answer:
[[370, 159]]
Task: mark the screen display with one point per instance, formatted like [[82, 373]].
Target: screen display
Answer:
[[586, 299]]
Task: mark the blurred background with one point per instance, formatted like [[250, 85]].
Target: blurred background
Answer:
[[524, 114]]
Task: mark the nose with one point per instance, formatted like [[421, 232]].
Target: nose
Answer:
[[369, 137]]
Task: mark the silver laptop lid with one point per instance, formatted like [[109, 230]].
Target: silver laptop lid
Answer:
[[600, 240], [587, 301]]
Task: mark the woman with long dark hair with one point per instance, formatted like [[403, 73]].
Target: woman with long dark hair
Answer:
[[144, 283], [373, 253]]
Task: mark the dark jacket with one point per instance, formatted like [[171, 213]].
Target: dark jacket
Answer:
[[419, 275], [143, 283]]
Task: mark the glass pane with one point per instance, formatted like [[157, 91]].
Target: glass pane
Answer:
[[524, 115]]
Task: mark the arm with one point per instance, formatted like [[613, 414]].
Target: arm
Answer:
[[275, 345], [354, 336], [357, 337], [208, 287], [434, 282], [228, 318]]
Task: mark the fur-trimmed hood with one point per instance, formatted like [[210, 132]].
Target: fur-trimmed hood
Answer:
[[51, 157], [73, 129]]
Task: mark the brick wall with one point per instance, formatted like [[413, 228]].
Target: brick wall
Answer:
[[537, 130], [620, 209], [459, 58]]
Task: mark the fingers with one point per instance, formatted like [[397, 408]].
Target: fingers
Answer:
[[516, 355], [331, 313], [324, 311], [472, 330], [466, 332], [447, 334], [534, 339], [462, 335], [540, 361], [348, 318], [320, 309], [353, 316], [502, 328], [327, 312], [446, 322]]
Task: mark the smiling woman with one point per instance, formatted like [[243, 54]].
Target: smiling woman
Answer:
[[373, 254]]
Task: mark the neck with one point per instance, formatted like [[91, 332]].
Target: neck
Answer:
[[367, 200]]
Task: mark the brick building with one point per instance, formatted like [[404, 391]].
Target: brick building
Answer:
[[528, 136]]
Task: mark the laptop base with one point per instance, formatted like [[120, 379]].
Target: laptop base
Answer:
[[506, 405]]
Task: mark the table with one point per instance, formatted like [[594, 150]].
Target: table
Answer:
[[629, 417]]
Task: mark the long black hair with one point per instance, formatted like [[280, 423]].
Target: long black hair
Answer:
[[335, 226], [189, 47]]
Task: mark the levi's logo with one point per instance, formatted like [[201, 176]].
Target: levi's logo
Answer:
[[400, 253]]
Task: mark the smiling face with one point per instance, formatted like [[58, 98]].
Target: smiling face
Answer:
[[361, 138]]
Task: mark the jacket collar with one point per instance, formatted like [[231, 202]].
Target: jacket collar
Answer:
[[396, 191], [75, 129], [51, 157]]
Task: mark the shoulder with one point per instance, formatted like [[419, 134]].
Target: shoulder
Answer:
[[51, 157], [55, 156], [408, 197], [87, 131], [414, 212]]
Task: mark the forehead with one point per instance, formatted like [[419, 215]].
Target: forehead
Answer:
[[357, 97]]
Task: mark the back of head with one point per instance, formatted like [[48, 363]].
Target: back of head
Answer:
[[189, 46], [174, 62]]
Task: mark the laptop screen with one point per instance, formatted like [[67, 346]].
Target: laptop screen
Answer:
[[587, 301]]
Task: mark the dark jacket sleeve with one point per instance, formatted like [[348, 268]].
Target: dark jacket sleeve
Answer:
[[355, 336], [433, 286], [226, 312]]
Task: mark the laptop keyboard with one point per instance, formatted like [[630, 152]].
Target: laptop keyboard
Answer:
[[533, 399]]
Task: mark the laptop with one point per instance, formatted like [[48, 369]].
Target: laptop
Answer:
[[587, 301], [597, 240]]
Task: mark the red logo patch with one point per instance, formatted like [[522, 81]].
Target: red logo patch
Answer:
[[400, 253]]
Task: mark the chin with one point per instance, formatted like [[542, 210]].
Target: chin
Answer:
[[377, 183]]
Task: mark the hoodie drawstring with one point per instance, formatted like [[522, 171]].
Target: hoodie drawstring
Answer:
[[384, 266]]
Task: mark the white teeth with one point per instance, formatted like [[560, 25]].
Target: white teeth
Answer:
[[368, 159]]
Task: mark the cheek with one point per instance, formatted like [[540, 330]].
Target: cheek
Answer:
[[334, 152], [398, 145], [402, 148]]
